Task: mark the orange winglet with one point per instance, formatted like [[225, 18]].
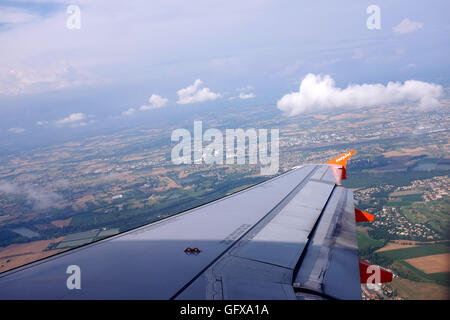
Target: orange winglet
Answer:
[[373, 274], [362, 216], [339, 166], [342, 159]]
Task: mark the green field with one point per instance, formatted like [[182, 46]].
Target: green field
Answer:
[[442, 278], [404, 200], [415, 252], [365, 242], [364, 179]]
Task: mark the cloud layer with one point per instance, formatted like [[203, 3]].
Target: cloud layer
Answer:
[[10, 15], [193, 94], [320, 93], [407, 26]]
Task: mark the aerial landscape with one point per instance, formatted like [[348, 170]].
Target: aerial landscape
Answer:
[[124, 180], [83, 157]]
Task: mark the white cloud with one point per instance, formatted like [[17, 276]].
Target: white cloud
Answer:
[[128, 112], [193, 94], [42, 123], [72, 118], [243, 94], [319, 93], [39, 198], [16, 130], [156, 102], [407, 26], [246, 95]]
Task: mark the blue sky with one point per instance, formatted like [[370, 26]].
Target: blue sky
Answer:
[[126, 51]]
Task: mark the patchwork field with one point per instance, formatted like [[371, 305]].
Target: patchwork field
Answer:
[[416, 251], [394, 246], [420, 290], [422, 264], [405, 152], [431, 264], [16, 255]]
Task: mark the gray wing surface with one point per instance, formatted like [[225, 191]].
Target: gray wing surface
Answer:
[[291, 237]]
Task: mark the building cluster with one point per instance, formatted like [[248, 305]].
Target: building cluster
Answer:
[[392, 220], [435, 188], [395, 223], [380, 291]]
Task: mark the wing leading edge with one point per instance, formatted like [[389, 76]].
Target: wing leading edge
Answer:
[[292, 237]]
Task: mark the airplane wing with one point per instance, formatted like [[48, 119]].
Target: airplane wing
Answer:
[[291, 237]]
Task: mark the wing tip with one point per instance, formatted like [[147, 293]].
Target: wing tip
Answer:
[[342, 159], [362, 216]]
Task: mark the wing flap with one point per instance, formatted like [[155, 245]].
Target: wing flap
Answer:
[[330, 266], [281, 243]]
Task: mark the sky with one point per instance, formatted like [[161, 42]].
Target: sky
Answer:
[[134, 60]]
